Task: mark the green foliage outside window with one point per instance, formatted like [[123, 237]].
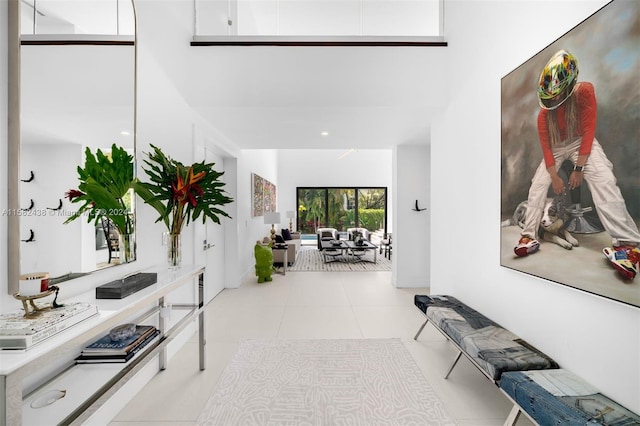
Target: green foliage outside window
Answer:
[[335, 208]]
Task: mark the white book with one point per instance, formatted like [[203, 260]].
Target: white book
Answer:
[[18, 332]]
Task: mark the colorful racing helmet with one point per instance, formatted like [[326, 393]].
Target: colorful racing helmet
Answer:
[[557, 80]]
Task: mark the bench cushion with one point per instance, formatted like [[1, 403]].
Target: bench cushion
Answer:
[[559, 397], [493, 348]]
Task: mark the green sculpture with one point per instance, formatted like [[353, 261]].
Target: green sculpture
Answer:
[[264, 261]]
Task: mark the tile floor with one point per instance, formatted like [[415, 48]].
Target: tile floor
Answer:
[[314, 305]]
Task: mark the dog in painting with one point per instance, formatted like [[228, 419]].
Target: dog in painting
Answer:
[[552, 226]]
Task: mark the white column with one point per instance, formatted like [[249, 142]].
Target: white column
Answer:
[[411, 229]]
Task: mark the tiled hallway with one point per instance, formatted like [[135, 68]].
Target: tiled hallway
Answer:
[[314, 305]]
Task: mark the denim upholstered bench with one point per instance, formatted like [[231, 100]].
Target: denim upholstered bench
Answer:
[[547, 394], [490, 347], [559, 397]]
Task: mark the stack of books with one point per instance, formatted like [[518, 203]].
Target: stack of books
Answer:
[[107, 350], [20, 332]]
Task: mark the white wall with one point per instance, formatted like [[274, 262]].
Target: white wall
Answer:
[[597, 338], [411, 235], [57, 249], [251, 229]]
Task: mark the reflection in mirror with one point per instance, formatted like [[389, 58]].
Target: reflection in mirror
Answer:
[[73, 96], [73, 18]]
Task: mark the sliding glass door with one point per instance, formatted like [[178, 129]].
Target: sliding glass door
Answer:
[[372, 204], [312, 212], [341, 208]]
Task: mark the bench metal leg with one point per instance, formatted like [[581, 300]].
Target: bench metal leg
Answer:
[[455, 361], [421, 328], [513, 416]]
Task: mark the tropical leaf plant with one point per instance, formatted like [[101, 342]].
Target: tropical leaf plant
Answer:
[[181, 194], [105, 183]]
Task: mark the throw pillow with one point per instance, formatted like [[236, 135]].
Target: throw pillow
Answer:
[[286, 234], [279, 239]]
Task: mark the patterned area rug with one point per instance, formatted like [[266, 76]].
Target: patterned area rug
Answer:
[[323, 382], [311, 259]]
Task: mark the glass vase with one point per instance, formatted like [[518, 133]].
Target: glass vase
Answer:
[[127, 248], [174, 251]]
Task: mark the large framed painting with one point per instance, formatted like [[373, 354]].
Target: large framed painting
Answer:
[[263, 195], [570, 148], [257, 189]]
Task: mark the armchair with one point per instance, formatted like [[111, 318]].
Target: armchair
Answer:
[[326, 234], [363, 231]]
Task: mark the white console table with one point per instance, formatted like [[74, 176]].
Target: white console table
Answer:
[[89, 386]]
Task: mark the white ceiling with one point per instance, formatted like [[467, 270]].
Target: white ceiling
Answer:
[[285, 97]]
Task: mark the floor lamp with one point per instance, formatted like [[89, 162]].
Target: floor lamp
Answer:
[[272, 218]]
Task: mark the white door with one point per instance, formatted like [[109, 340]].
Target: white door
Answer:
[[209, 238]]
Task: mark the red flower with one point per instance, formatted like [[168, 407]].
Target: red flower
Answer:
[[73, 193], [178, 189], [195, 192], [187, 192]]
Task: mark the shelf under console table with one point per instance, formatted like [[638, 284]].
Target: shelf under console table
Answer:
[[95, 384]]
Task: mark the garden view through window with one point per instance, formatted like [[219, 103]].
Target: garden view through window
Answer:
[[341, 208]]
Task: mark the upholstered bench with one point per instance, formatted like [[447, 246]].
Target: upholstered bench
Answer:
[[491, 348], [559, 397]]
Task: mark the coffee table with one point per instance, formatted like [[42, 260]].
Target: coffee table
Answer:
[[357, 252], [337, 249], [332, 249]]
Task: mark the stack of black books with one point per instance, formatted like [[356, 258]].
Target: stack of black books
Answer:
[[107, 350]]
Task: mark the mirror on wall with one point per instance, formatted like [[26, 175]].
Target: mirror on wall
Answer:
[[77, 91]]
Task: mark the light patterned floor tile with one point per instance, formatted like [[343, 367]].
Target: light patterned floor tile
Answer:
[[314, 305]]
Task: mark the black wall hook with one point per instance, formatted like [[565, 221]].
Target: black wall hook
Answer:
[[32, 237], [57, 208], [418, 209], [31, 177], [30, 206]]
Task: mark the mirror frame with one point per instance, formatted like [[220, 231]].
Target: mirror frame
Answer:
[[14, 41]]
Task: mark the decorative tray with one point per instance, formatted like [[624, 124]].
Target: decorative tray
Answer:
[[34, 310]]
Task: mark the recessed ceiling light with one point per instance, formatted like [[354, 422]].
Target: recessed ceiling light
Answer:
[[325, 133], [124, 132]]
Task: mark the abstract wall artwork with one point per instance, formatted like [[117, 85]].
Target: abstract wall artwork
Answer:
[[263, 195], [605, 46]]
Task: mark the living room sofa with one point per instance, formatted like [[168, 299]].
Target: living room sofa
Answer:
[[293, 244]]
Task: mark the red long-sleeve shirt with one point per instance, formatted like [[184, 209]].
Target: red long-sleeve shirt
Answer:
[[586, 101]]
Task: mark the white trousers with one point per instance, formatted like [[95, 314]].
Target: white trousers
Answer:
[[598, 175]]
